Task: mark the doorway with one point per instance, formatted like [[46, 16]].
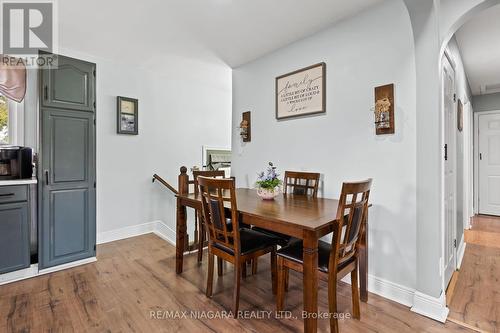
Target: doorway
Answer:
[[450, 204], [488, 162]]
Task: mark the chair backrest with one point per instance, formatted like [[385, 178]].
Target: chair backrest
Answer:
[[215, 194], [352, 209], [301, 183], [210, 173]]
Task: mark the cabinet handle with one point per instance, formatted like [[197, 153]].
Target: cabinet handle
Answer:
[[45, 92], [7, 195], [47, 177]]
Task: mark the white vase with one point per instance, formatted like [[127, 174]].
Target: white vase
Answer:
[[268, 193]]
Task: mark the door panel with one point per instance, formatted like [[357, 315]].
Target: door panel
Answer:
[[450, 210], [14, 237], [69, 86], [489, 164], [68, 196], [67, 163]]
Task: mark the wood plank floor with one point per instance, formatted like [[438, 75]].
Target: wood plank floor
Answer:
[[135, 277], [476, 300]]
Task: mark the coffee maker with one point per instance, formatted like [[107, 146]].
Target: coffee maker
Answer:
[[16, 162]]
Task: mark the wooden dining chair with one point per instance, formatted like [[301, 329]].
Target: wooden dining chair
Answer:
[[198, 219], [229, 241], [296, 183], [335, 259]]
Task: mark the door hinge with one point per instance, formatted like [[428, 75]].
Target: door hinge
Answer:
[[93, 72], [480, 156], [446, 152], [94, 105], [455, 243], [454, 97]]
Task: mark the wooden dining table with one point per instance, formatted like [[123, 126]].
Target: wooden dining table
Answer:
[[302, 217]]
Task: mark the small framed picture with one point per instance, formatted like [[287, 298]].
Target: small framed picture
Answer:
[[127, 115]]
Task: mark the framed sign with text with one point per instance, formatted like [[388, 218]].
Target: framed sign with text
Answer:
[[301, 92]]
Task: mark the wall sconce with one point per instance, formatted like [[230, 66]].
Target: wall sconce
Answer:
[[245, 127], [384, 109]]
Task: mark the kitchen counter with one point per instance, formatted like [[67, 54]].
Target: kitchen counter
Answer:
[[18, 181]]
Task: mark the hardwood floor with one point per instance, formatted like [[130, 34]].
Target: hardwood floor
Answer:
[[476, 301], [133, 286], [485, 230]]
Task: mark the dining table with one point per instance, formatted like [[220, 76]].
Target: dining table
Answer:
[[299, 216]]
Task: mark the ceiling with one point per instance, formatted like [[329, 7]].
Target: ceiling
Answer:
[[232, 31], [479, 43]]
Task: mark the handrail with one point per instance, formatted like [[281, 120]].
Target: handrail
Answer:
[[164, 183]]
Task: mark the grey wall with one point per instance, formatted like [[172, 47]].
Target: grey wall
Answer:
[[360, 54], [490, 102]]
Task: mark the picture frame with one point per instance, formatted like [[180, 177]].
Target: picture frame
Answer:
[[460, 116], [127, 115], [301, 92]]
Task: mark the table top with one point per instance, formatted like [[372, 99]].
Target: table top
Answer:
[[301, 211]]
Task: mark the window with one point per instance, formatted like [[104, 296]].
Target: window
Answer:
[[11, 122], [4, 120]]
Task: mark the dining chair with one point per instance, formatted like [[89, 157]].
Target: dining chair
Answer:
[[296, 183], [229, 241], [197, 218], [335, 259]]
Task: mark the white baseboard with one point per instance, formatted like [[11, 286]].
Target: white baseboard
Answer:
[[157, 227], [126, 232], [33, 271], [432, 307], [387, 289], [21, 274], [460, 252], [67, 265], [164, 231]]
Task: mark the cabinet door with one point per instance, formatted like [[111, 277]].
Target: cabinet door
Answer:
[[69, 84], [68, 187], [14, 237]]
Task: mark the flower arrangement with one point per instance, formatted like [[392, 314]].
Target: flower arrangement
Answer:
[[268, 184]]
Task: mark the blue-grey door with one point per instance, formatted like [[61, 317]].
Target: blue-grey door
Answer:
[[67, 167]]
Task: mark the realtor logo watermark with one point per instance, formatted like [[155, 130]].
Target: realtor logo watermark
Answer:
[[27, 28]]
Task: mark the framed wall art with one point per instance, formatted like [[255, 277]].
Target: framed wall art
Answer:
[[384, 109], [301, 92], [127, 115]]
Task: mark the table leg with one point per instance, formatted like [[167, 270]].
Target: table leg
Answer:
[[180, 236], [310, 252], [363, 262]]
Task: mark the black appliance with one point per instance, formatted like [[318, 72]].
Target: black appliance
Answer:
[[16, 162]]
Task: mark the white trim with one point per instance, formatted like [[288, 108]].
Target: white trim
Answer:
[[126, 232], [165, 232], [160, 228], [33, 271], [21, 274], [434, 308], [460, 252], [67, 265], [387, 289]]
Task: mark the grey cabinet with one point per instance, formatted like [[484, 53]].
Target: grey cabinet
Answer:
[[14, 229], [67, 183], [70, 84]]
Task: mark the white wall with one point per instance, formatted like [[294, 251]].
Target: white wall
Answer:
[[183, 105], [360, 54], [489, 102]]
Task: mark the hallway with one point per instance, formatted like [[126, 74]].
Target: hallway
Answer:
[[475, 302]]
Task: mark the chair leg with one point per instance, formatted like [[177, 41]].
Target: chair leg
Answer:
[[219, 266], [274, 270], [356, 313], [254, 266], [201, 240], [210, 275], [280, 295], [287, 277], [236, 294], [244, 270], [332, 303]]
